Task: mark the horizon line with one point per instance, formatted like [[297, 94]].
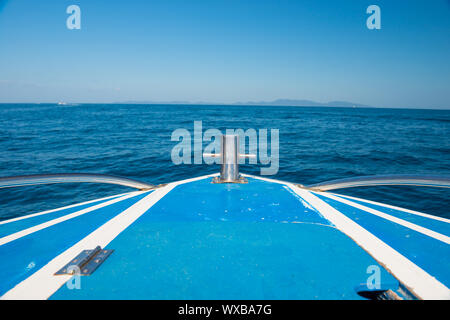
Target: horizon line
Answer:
[[232, 104]]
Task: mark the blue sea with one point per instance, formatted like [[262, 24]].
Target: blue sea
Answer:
[[316, 144]]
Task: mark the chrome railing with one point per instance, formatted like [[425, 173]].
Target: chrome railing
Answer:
[[19, 181], [364, 181], [383, 180]]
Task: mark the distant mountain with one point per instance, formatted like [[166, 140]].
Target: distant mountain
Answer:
[[305, 103], [277, 102], [153, 102]]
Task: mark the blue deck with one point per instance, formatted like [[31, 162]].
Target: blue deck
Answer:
[[229, 241], [227, 260], [259, 240], [31, 252]]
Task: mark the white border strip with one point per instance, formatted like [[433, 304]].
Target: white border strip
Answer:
[[407, 224], [50, 223], [43, 283], [58, 209], [394, 207], [416, 279], [266, 179]]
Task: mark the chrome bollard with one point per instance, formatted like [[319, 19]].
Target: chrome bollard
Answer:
[[229, 170]]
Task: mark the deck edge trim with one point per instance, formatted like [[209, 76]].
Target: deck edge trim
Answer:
[[425, 231], [31, 215], [415, 278], [418, 213], [25, 232]]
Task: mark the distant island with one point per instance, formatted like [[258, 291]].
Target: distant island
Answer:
[[277, 102], [305, 103]]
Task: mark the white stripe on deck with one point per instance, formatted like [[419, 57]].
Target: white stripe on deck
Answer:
[[417, 280], [50, 223], [57, 209], [407, 224], [395, 208], [43, 283], [266, 179]]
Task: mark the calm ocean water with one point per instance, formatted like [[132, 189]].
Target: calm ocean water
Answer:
[[316, 144]]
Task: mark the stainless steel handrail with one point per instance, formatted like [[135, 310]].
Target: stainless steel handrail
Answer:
[[30, 180], [383, 180]]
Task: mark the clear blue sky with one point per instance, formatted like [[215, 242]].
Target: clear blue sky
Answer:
[[226, 51]]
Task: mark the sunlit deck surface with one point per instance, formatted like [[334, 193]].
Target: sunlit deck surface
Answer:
[[199, 240]]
